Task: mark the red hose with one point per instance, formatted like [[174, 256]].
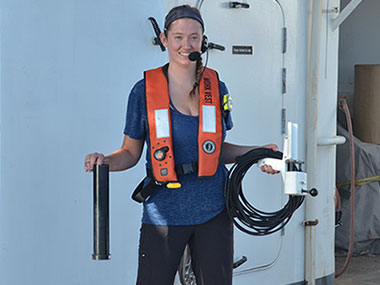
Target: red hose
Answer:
[[337, 200], [343, 105]]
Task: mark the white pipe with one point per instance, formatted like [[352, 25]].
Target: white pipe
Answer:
[[325, 141], [312, 86], [344, 14], [293, 139]]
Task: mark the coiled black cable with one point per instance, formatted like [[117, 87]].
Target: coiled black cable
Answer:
[[246, 217]]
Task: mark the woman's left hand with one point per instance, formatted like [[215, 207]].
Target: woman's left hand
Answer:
[[267, 168]]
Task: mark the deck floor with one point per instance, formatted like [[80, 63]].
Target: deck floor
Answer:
[[362, 270]]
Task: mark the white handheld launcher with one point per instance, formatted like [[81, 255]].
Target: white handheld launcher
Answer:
[[295, 180]]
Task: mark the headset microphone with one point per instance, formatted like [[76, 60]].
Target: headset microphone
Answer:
[[194, 56]]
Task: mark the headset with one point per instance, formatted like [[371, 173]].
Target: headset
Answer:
[[204, 46]]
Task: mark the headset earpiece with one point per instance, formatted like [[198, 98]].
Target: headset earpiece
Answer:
[[204, 46]]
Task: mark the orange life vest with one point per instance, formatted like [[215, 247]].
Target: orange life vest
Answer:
[[160, 132]]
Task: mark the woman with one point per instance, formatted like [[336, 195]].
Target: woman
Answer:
[[177, 110]]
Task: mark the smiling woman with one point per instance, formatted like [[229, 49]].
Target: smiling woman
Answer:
[[183, 38], [183, 34], [178, 110]]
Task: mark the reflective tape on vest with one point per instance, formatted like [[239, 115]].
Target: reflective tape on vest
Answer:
[[161, 118], [209, 119]]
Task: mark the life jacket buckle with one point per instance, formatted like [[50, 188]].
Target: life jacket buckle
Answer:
[[158, 183]]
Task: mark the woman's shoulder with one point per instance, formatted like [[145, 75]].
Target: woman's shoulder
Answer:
[[138, 91], [136, 97], [223, 88], [139, 87]]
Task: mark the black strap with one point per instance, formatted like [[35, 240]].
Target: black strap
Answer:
[[187, 168], [180, 170], [141, 193]]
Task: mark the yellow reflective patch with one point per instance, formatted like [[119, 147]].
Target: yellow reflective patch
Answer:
[[227, 103], [173, 185]]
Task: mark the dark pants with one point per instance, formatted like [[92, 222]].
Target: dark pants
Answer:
[[211, 246]]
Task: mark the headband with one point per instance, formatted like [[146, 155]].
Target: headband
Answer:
[[182, 12]]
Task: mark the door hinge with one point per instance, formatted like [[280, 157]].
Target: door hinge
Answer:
[[283, 80], [284, 39]]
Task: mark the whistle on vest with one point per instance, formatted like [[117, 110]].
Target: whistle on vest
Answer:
[[160, 153]]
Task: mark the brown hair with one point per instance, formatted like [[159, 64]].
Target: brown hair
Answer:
[[198, 74], [180, 12]]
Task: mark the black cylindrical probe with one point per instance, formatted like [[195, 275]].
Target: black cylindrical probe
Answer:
[[101, 213]]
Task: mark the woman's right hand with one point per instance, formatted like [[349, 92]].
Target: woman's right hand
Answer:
[[91, 160], [124, 158]]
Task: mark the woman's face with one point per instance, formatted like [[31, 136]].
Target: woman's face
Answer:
[[184, 36]]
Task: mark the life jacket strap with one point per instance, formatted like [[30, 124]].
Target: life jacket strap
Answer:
[[142, 192], [187, 168], [181, 170]]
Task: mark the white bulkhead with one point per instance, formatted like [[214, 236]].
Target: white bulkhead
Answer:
[[66, 70]]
